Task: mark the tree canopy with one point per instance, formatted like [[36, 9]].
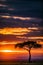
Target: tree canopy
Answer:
[[29, 44]]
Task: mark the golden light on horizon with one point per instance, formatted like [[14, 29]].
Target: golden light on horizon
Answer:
[[6, 51], [13, 51]]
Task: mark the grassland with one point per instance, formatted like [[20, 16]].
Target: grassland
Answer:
[[20, 63]]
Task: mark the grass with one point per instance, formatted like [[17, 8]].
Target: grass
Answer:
[[21, 63]]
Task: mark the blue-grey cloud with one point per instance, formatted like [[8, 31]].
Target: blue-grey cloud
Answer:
[[23, 8], [10, 22]]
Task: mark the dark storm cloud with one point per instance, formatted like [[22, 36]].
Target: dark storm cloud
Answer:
[[10, 22], [9, 38], [24, 8], [34, 33], [21, 8], [2, 0]]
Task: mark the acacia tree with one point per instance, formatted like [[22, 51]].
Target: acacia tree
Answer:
[[28, 46]]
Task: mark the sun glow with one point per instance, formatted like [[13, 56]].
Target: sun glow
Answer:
[[6, 51]]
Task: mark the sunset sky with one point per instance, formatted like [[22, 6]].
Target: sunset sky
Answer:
[[20, 20]]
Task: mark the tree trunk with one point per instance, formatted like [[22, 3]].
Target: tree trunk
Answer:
[[29, 56]]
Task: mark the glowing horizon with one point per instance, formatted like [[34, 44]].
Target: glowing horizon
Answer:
[[10, 51]]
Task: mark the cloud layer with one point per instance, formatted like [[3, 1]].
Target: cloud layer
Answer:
[[21, 20]]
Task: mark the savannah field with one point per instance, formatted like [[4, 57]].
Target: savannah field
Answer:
[[20, 63]]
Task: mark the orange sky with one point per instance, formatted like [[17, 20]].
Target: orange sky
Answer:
[[5, 44], [8, 52], [12, 36], [19, 23]]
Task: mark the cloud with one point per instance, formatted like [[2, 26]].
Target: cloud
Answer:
[[22, 18], [3, 0], [17, 17], [8, 42], [11, 9], [3, 5], [16, 39], [20, 34], [41, 37], [23, 22], [14, 31], [33, 28], [23, 8], [16, 21], [22, 31], [10, 38], [6, 17]]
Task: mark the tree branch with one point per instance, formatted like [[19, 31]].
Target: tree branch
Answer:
[[26, 49]]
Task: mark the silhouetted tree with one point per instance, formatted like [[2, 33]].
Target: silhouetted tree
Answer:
[[28, 45]]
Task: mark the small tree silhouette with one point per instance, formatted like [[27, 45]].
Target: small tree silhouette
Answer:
[[28, 45]]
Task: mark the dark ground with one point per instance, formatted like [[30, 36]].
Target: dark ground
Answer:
[[21, 63]]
